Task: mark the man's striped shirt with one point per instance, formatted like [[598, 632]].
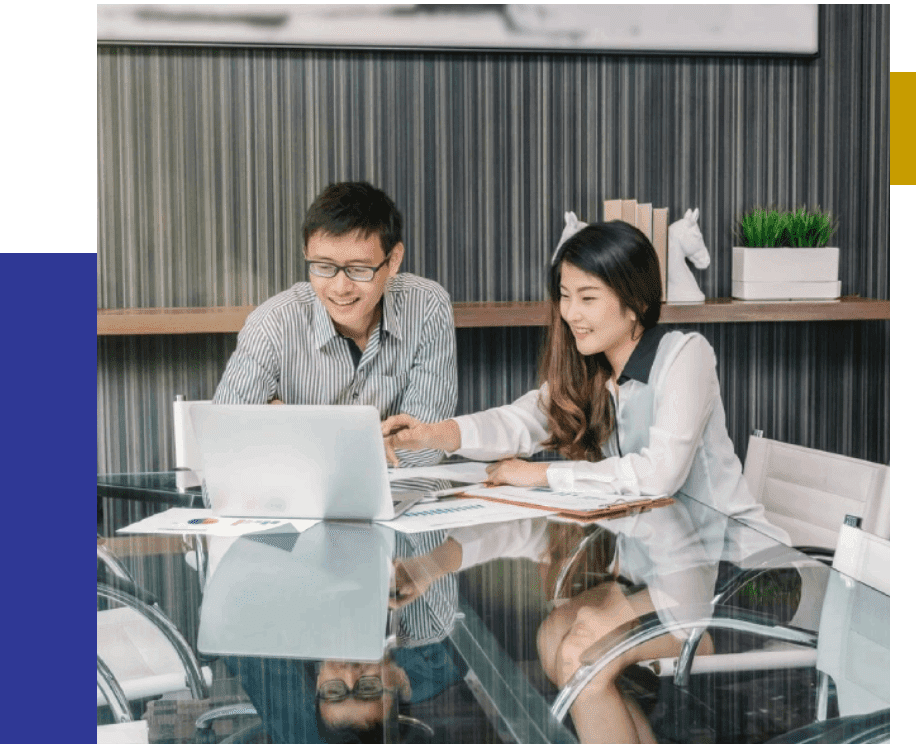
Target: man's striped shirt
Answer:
[[289, 349]]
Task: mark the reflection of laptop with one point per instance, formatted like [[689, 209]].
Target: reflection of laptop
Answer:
[[322, 594], [296, 461]]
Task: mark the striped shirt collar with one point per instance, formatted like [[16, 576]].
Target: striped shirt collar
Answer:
[[324, 326]]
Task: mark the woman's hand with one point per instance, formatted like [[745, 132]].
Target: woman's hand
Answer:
[[406, 432], [518, 472]]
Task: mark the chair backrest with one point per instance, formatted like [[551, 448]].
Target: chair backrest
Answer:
[[854, 635], [808, 492], [865, 557], [187, 454]]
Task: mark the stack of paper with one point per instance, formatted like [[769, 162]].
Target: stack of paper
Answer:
[[202, 521]]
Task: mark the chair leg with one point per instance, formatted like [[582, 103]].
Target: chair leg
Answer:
[[823, 695], [685, 660]]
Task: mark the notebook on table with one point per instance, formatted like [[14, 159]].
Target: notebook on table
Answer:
[[297, 461]]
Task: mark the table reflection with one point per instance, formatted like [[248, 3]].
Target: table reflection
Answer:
[[523, 616]]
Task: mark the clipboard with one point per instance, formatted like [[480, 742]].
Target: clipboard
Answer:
[[616, 511]]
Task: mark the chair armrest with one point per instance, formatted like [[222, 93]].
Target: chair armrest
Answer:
[[756, 565], [119, 577], [203, 722], [128, 587], [113, 692], [869, 728], [824, 554], [650, 626], [193, 671]]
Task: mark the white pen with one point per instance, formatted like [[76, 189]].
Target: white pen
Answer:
[[437, 494]]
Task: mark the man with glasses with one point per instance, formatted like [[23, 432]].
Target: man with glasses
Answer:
[[359, 699], [359, 332]]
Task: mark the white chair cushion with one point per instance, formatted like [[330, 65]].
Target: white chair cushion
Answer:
[[134, 732], [139, 655]]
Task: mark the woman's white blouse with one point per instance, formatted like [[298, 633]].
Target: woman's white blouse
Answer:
[[671, 430]]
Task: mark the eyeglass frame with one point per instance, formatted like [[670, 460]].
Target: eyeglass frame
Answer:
[[352, 692], [346, 269]]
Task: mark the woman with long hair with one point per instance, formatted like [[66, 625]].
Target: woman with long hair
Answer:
[[634, 410]]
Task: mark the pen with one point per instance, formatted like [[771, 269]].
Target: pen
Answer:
[[437, 494]]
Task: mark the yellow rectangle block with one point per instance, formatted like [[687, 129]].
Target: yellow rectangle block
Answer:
[[903, 128]]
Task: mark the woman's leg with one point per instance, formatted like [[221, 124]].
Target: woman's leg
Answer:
[[601, 713], [560, 620]]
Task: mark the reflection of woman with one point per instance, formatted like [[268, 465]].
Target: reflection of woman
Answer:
[[601, 712], [671, 567], [666, 564], [636, 410]]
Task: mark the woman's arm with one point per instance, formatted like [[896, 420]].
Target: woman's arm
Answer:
[[515, 429]]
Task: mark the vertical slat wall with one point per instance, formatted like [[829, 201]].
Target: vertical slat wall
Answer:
[[209, 157]]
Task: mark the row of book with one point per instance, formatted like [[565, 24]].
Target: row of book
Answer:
[[653, 222]]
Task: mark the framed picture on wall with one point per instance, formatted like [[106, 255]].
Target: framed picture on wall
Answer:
[[614, 29]]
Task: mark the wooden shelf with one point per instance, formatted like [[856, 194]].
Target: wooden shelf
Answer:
[[228, 319]]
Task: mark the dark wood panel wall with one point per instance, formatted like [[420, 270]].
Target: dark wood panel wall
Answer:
[[209, 157]]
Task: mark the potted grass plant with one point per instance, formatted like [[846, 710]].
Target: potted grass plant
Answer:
[[784, 256]]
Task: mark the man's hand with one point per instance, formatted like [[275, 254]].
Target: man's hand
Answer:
[[518, 472], [276, 401], [406, 432], [413, 576]]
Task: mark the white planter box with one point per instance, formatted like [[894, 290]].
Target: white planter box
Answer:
[[785, 264], [785, 273], [786, 291]]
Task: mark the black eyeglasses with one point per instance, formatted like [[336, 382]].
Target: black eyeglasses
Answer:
[[354, 272], [367, 688]]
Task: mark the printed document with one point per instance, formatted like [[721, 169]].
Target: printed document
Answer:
[[202, 521], [448, 513]]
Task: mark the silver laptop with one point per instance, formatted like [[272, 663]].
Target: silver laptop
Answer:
[[297, 461], [322, 594]]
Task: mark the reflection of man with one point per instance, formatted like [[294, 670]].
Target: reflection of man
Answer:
[[358, 332], [422, 665], [359, 700]]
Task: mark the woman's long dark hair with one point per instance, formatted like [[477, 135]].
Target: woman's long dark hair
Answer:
[[580, 411]]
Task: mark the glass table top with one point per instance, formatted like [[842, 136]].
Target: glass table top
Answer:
[[181, 487], [530, 631]]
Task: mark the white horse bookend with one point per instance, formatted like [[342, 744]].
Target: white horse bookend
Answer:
[[573, 226], [685, 242]]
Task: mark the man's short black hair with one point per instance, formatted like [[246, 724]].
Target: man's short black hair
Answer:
[[354, 206], [372, 733]]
